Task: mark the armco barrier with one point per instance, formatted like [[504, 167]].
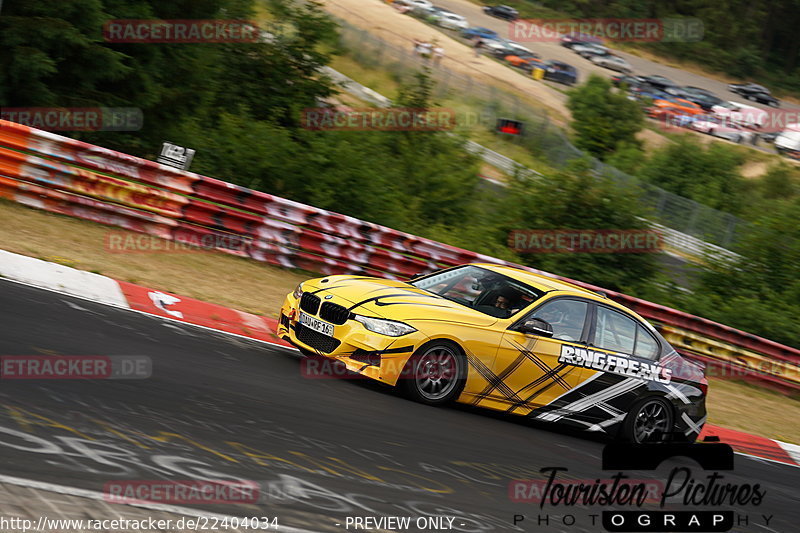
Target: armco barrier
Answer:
[[65, 176]]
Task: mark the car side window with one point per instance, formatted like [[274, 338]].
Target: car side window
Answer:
[[646, 345], [566, 316], [614, 332]]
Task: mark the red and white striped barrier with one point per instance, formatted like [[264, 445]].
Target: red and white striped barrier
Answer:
[[70, 177]]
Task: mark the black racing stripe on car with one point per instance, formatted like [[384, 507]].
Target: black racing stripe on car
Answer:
[[491, 377], [527, 352], [398, 295], [507, 371], [547, 380], [327, 289]]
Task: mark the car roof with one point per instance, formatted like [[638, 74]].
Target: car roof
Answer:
[[538, 281]]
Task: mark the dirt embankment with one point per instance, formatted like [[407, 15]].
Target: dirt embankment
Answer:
[[384, 21]]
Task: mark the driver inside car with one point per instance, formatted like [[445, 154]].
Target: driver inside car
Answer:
[[565, 326]]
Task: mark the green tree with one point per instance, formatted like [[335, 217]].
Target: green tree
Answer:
[[52, 54], [759, 292], [709, 175], [578, 199], [603, 118]]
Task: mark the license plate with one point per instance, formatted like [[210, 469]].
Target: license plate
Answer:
[[316, 324]]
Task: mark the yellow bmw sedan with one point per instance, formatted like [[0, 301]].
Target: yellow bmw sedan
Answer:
[[505, 339]]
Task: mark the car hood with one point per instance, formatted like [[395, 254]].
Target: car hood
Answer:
[[394, 300]]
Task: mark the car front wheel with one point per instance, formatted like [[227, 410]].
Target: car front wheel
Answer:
[[436, 374]]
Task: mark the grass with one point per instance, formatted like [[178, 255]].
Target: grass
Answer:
[[753, 409], [251, 286], [211, 276]]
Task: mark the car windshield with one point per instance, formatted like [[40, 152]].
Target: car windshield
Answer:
[[480, 289]]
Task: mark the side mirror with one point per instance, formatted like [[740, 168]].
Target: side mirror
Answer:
[[417, 276], [536, 326]]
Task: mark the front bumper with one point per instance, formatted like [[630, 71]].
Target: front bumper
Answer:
[[375, 356]]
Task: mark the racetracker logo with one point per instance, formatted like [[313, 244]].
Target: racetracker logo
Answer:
[[75, 367], [609, 241], [183, 492], [735, 118], [180, 31], [123, 242], [619, 489], [76, 118], [607, 29], [371, 119]]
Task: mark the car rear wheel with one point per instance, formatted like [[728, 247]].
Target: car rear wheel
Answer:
[[650, 420], [436, 374]]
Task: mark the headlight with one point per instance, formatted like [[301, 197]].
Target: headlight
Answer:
[[298, 291], [390, 328]]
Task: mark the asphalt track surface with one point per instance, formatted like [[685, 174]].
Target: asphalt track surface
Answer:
[[322, 450]]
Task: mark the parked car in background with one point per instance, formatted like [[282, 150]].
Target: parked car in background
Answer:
[[502, 12], [674, 106], [702, 97], [525, 62], [741, 114], [560, 72], [612, 62], [421, 4], [519, 49], [588, 50], [452, 21], [788, 141], [571, 39], [659, 82], [479, 33], [717, 127], [646, 91], [755, 92], [498, 48], [628, 81]]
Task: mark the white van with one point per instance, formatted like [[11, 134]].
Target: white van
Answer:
[[789, 139], [741, 114]]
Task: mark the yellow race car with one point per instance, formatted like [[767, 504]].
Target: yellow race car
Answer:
[[506, 339]]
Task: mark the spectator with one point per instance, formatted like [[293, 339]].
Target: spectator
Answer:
[[426, 50], [438, 54], [478, 46]]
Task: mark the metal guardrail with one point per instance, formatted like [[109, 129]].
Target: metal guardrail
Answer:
[[676, 243], [121, 190], [670, 210]]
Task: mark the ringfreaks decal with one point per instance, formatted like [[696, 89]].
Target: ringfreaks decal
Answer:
[[617, 364]]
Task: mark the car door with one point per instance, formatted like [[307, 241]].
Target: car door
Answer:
[[620, 360], [527, 368]]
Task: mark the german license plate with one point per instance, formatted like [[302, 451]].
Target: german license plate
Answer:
[[316, 324]]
